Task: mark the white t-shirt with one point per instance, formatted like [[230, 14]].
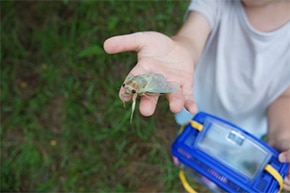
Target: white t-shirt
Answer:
[[242, 70]]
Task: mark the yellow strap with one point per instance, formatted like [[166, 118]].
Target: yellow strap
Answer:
[[184, 182], [276, 175], [182, 177], [182, 128], [196, 125]]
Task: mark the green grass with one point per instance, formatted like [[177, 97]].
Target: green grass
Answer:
[[63, 127]]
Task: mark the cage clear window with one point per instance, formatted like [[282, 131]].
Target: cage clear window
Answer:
[[232, 148]]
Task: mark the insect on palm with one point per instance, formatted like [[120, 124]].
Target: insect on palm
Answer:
[[146, 85]]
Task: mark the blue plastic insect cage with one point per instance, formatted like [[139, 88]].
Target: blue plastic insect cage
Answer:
[[228, 156]]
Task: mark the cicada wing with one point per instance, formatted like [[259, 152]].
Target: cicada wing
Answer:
[[158, 84]]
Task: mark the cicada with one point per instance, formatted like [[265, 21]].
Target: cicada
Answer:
[[146, 85]]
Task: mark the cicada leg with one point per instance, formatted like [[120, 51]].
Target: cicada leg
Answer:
[[148, 94], [134, 97]]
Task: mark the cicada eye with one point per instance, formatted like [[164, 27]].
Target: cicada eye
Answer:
[[133, 91], [124, 85]]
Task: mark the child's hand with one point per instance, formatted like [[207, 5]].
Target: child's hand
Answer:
[[158, 53], [285, 157]]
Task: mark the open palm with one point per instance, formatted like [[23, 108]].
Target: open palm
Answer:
[[158, 53]]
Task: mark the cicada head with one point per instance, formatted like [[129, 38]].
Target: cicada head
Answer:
[[131, 87]]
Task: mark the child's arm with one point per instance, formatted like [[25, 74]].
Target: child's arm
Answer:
[[279, 129], [278, 115], [173, 57]]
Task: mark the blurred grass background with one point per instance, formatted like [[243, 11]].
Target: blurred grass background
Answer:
[[63, 127]]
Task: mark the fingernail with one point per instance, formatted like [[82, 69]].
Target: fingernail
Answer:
[[282, 158]]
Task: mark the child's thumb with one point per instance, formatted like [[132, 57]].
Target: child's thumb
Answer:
[[284, 156]]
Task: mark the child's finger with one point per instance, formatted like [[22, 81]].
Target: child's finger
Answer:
[[148, 104], [189, 103], [123, 96], [123, 43], [176, 101], [286, 185]]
